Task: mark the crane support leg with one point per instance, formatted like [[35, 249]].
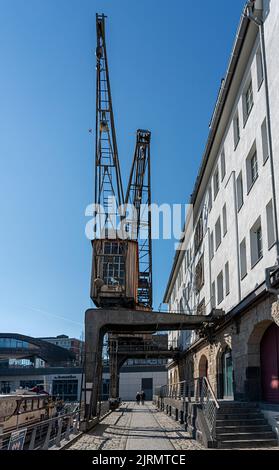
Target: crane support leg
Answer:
[[93, 368], [101, 321]]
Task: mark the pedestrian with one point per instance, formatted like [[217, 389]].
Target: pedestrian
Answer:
[[138, 397], [142, 396]]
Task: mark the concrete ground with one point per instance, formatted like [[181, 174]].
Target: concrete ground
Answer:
[[136, 427]]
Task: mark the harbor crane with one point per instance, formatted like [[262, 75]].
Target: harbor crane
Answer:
[[122, 259]]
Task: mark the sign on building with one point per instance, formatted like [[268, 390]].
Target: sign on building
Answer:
[[17, 440]]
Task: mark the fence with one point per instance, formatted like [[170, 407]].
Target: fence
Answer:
[[198, 391], [49, 434]]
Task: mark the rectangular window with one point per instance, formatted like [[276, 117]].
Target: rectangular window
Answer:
[[216, 182], [239, 189], [199, 274], [209, 198], [248, 101], [256, 242], [213, 295], [259, 60], [227, 278], [225, 226], [223, 164], [270, 224], [236, 130], [211, 245], [264, 142], [243, 259], [252, 167], [201, 308], [218, 236], [113, 264], [220, 288], [188, 258], [198, 233]]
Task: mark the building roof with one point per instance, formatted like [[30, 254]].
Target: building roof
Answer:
[[49, 352]]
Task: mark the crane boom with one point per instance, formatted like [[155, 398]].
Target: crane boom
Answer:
[[108, 183], [139, 195]]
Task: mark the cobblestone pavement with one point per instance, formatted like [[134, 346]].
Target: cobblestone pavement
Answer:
[[136, 427]]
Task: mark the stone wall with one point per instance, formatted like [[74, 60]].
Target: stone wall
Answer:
[[243, 337]]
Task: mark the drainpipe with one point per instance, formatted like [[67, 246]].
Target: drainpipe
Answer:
[[254, 12], [236, 231]]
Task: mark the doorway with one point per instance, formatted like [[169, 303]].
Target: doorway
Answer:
[[147, 387], [270, 364], [227, 365]]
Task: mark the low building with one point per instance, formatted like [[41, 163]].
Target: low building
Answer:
[[72, 344], [27, 362]]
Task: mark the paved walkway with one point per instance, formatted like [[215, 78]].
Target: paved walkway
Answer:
[[136, 427]]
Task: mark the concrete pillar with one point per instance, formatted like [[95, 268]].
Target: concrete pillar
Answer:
[[114, 376], [93, 366]]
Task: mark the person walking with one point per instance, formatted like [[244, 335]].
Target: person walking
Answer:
[[142, 396], [138, 398]]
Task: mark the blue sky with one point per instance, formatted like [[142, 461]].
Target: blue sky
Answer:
[[166, 62]]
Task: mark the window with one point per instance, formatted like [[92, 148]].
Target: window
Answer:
[[218, 233], [220, 288], [270, 224], [113, 264], [256, 242], [211, 241], [66, 389], [259, 60], [227, 278], [187, 258], [209, 198], [248, 101], [198, 234], [243, 259], [225, 227], [223, 164], [239, 189], [264, 141], [201, 308], [236, 130], [216, 182], [252, 167], [199, 274], [213, 295], [185, 261]]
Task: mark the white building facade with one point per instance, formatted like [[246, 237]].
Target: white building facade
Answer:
[[231, 231]]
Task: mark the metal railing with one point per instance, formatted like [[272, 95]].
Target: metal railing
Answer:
[[197, 391], [209, 405], [49, 433], [45, 434]]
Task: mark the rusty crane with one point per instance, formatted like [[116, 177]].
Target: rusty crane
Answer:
[[122, 260]]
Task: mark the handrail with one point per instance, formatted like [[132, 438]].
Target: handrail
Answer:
[[212, 392], [199, 391]]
